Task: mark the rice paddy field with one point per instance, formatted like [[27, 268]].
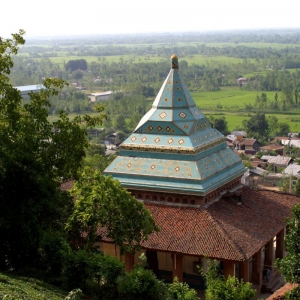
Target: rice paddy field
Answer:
[[229, 102]]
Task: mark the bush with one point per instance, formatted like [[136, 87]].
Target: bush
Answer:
[[180, 291], [141, 284]]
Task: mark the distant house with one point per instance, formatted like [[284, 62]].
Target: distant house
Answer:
[[256, 162], [239, 133], [110, 139], [235, 135], [279, 161], [293, 170], [242, 81], [293, 134], [273, 147], [26, 89], [249, 146], [284, 140], [100, 96]]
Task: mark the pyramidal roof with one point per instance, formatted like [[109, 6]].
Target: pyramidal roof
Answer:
[[174, 147]]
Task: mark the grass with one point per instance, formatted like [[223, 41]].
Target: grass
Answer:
[[235, 120], [16, 287], [228, 97], [197, 59]]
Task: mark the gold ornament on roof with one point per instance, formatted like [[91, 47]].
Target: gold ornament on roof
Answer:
[[174, 59]]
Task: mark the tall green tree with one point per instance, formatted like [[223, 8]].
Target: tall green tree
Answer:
[[35, 157], [257, 126], [101, 202]]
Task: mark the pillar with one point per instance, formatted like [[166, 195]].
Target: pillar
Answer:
[[177, 266], [269, 256], [280, 244], [244, 271], [229, 268], [129, 261], [257, 271]]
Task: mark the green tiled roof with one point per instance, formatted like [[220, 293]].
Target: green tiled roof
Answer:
[[174, 146]]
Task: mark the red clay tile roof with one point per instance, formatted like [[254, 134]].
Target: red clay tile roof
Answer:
[[224, 230], [272, 147], [191, 231], [247, 142], [67, 185], [279, 294]]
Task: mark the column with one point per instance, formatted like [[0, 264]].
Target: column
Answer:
[[280, 244], [269, 256], [244, 271], [229, 268], [257, 271], [129, 261], [177, 266]]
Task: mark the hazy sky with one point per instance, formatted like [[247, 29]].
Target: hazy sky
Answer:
[[66, 17]]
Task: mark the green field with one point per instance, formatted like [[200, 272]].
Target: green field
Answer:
[[197, 59], [230, 98], [235, 120]]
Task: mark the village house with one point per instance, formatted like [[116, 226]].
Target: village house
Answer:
[[278, 161], [249, 146], [242, 81], [273, 147], [183, 171], [26, 89], [100, 96]]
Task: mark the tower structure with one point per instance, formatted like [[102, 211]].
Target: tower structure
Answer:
[[181, 168], [175, 154]]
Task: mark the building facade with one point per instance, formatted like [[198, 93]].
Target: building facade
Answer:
[[181, 168]]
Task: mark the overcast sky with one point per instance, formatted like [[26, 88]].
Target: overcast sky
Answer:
[[66, 17]]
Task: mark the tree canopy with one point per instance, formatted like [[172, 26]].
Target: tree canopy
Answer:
[[35, 157], [101, 202]]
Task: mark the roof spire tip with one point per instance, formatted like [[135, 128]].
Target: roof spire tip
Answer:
[[174, 59]]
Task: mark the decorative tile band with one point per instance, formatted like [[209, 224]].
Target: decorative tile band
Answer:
[[173, 149]]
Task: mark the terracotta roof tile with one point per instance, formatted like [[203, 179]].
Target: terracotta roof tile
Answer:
[[280, 294], [272, 147], [67, 185], [224, 230]]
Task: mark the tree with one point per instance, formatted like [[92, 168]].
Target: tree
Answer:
[[141, 284], [290, 265], [77, 64], [120, 123], [283, 129], [257, 126], [273, 124], [220, 124], [121, 136], [180, 291], [35, 157], [219, 288], [78, 74], [101, 202], [83, 268]]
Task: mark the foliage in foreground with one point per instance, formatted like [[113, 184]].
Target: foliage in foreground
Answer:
[[101, 202], [290, 265], [142, 284], [35, 157], [15, 288], [219, 288]]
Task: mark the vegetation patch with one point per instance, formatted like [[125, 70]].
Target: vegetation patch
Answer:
[[15, 287]]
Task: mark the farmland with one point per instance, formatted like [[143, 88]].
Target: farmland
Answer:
[[210, 65]]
